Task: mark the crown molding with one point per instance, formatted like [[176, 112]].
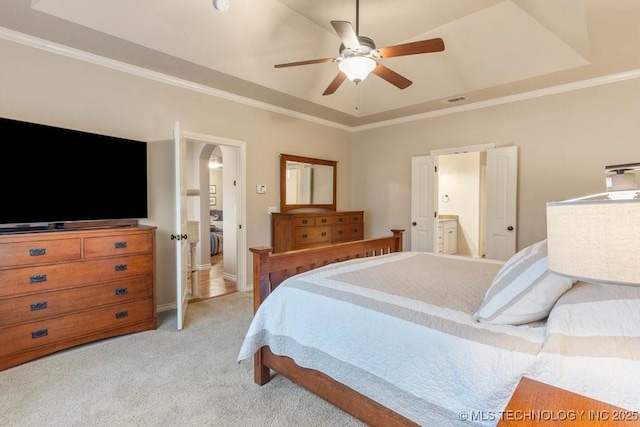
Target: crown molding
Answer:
[[28, 40]]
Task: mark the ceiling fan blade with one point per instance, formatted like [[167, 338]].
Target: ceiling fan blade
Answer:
[[311, 61], [391, 76], [413, 48], [347, 34], [335, 83]]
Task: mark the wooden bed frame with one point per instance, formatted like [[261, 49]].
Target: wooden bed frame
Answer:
[[269, 270]]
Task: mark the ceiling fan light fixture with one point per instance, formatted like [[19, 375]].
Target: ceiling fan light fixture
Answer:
[[357, 68]]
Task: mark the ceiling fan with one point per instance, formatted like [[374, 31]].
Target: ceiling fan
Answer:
[[359, 55]]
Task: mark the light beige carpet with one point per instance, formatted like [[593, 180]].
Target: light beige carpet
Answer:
[[162, 378]]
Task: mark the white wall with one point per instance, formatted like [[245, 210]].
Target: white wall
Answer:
[[459, 178]]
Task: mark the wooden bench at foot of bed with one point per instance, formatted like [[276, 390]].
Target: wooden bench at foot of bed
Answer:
[[269, 270]]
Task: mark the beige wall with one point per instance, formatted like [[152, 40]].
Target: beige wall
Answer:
[[52, 89], [564, 141]]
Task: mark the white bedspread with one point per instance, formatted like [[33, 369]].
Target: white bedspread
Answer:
[[399, 328]]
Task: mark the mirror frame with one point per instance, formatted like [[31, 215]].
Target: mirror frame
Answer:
[[284, 207]]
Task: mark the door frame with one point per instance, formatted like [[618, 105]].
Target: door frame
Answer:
[[429, 227], [241, 201]]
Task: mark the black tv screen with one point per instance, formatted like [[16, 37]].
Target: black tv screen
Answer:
[[53, 175]]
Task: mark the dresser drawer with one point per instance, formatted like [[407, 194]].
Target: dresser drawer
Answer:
[[47, 304], [39, 252], [46, 278], [117, 245], [304, 221], [305, 236], [325, 220], [356, 218], [44, 332], [348, 232]]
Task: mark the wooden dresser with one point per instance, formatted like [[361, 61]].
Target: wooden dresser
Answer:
[[304, 230], [59, 289]]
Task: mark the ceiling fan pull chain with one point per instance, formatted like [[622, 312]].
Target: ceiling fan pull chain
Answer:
[[357, 96]]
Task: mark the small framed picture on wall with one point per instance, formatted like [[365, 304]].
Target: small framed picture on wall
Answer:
[[212, 189], [212, 200]]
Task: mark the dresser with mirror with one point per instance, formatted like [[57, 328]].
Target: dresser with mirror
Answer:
[[308, 215]]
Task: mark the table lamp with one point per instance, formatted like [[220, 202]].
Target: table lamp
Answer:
[[596, 238]]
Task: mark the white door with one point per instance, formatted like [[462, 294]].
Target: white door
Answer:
[[180, 235], [501, 190], [424, 189]]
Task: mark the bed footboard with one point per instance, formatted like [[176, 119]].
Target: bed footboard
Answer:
[[269, 270]]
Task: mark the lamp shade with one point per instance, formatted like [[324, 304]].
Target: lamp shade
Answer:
[[357, 68], [596, 238]]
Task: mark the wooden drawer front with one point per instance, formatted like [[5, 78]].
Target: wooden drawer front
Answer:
[[57, 329], [305, 221], [356, 218], [343, 219], [306, 236], [326, 220], [48, 304], [117, 245], [45, 278], [39, 252], [348, 232]]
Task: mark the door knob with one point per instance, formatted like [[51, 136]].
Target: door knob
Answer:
[[414, 223], [510, 228]]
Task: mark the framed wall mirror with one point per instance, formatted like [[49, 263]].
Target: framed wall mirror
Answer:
[[307, 183]]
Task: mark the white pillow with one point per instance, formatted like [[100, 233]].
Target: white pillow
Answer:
[[524, 290]]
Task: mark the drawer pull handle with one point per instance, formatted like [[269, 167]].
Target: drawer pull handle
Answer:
[[121, 291], [355, 230], [38, 278], [37, 252], [39, 334], [304, 236], [324, 233], [38, 306], [122, 314], [304, 221], [340, 232], [323, 220], [340, 219], [120, 267], [120, 245]]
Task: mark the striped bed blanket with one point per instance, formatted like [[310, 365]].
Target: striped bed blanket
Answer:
[[400, 329]]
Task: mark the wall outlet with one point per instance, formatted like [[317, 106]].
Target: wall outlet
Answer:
[[272, 209], [261, 189]]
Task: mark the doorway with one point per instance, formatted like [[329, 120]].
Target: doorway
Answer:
[[213, 258], [496, 183], [461, 203]]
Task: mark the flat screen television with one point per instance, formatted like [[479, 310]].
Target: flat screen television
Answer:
[[50, 175]]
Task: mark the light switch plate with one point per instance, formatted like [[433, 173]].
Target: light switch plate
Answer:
[[261, 189]]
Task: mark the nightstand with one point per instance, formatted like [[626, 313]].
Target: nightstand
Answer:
[[535, 404]]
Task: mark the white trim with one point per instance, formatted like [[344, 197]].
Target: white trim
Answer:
[[465, 149], [553, 90], [38, 43], [31, 41]]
